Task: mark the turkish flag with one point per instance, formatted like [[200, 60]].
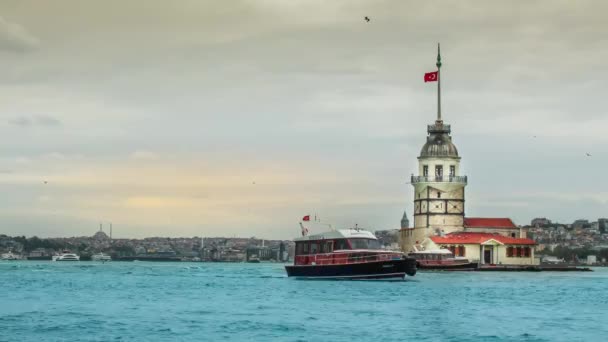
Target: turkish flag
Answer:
[[306, 218], [431, 76]]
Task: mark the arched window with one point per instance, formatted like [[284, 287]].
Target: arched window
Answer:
[[461, 251], [527, 252], [510, 252], [519, 252]]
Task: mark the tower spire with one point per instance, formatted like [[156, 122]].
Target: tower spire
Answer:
[[438, 83]]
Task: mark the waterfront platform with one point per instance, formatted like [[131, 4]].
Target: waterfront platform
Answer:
[[532, 268]]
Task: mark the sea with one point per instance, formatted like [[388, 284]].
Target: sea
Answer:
[[145, 301]]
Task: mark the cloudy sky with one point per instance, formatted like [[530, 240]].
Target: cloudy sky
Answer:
[[236, 118]]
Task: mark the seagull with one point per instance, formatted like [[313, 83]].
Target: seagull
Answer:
[[253, 183], [367, 19], [588, 154], [45, 182]]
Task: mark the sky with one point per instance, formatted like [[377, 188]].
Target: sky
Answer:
[[237, 118]]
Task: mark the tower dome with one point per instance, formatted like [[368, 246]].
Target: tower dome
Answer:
[[439, 142]]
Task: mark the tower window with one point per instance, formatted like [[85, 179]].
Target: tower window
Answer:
[[438, 171], [425, 170], [452, 170], [438, 194]]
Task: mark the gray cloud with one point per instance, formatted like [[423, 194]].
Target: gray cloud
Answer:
[[35, 120], [15, 38], [258, 85]]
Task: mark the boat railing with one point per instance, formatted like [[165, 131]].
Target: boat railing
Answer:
[[344, 258]]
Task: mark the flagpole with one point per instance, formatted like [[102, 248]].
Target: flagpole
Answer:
[[438, 83]]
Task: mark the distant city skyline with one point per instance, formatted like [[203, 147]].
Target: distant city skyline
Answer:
[[237, 119]]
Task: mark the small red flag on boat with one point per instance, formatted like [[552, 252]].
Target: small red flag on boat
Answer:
[[306, 218], [431, 76]]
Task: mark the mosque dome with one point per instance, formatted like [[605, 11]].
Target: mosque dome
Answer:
[[439, 142]]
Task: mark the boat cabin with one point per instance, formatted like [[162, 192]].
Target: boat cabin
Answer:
[[437, 256], [340, 247]]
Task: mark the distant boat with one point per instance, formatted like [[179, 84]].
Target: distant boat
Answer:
[[441, 260], [101, 257], [9, 256], [254, 259], [66, 256]]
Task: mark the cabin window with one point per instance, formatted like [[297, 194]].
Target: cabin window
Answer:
[[314, 248], [425, 170], [326, 247], [305, 248], [340, 244], [364, 244]]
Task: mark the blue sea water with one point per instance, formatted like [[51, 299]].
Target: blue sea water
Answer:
[[140, 301]]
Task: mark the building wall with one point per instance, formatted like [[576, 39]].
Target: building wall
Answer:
[[502, 257], [409, 237], [432, 162], [473, 252]]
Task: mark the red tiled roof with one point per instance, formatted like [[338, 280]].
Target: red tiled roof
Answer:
[[479, 238], [488, 222]]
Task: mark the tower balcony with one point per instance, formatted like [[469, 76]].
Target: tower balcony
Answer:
[[439, 127], [439, 179]]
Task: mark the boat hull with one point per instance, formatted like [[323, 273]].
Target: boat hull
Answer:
[[385, 269]]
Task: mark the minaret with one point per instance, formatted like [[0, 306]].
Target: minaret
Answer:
[[405, 222], [438, 187]]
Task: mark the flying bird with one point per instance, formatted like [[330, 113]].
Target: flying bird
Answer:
[[45, 182], [588, 154], [367, 19]]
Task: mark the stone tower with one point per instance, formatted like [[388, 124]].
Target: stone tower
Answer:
[[439, 186], [405, 222]]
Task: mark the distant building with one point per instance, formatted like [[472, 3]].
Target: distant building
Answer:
[[580, 223], [603, 225], [540, 221]]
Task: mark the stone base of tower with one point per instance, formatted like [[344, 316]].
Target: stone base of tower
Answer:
[[410, 237]]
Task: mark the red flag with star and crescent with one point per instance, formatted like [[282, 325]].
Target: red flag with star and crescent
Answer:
[[431, 76]]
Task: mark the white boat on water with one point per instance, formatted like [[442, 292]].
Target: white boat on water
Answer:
[[101, 257], [66, 256], [9, 256]]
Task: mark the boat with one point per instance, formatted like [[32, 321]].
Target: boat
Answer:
[[9, 256], [101, 257], [253, 259], [347, 254], [66, 256], [441, 260]]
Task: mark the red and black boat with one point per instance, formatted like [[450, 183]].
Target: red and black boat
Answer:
[[347, 254]]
